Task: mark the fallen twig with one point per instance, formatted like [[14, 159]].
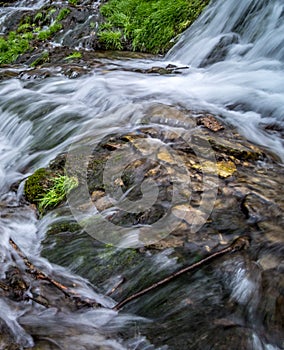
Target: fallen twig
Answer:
[[19, 290], [116, 287], [238, 244], [39, 275]]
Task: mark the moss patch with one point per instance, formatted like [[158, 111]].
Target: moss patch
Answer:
[[47, 189], [146, 25], [37, 185]]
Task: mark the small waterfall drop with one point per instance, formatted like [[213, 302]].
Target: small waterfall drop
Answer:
[[229, 30]]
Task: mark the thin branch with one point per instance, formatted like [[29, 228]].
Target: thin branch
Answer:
[[39, 275], [116, 287], [238, 244]]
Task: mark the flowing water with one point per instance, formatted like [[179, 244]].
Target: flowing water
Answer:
[[235, 54]]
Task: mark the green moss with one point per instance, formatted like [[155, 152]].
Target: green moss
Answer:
[[46, 34], [63, 226], [147, 25], [36, 185], [47, 189]]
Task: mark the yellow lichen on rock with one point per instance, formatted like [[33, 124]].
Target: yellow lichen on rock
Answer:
[[223, 169], [226, 168]]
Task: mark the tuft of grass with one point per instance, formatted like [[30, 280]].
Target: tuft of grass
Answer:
[[147, 25], [74, 55], [111, 39], [23, 28], [62, 185], [38, 17]]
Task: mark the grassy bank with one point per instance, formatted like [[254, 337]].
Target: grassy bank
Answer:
[[146, 25]]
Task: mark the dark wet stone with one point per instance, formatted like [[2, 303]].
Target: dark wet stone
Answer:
[[7, 340]]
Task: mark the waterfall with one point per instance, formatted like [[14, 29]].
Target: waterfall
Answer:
[[236, 54], [233, 30]]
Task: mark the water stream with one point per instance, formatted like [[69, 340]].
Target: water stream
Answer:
[[235, 54]]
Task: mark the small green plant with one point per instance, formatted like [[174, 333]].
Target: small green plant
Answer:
[[45, 34], [29, 36], [55, 27], [24, 28], [51, 11], [12, 46], [73, 2], [38, 17], [74, 55], [92, 25], [62, 185], [63, 13], [111, 39]]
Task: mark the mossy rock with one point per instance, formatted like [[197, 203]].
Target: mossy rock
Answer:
[[63, 226], [42, 180], [37, 185]]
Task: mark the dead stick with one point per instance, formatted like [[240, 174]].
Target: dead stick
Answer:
[[116, 287], [38, 301], [4, 286], [42, 276], [35, 272], [238, 244]]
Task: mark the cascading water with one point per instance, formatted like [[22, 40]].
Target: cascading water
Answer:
[[9, 12], [239, 47], [235, 53]]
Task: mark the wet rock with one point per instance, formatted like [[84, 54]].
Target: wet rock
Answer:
[[37, 185], [210, 123], [169, 69], [182, 180], [271, 304], [212, 201], [221, 49], [7, 340]]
